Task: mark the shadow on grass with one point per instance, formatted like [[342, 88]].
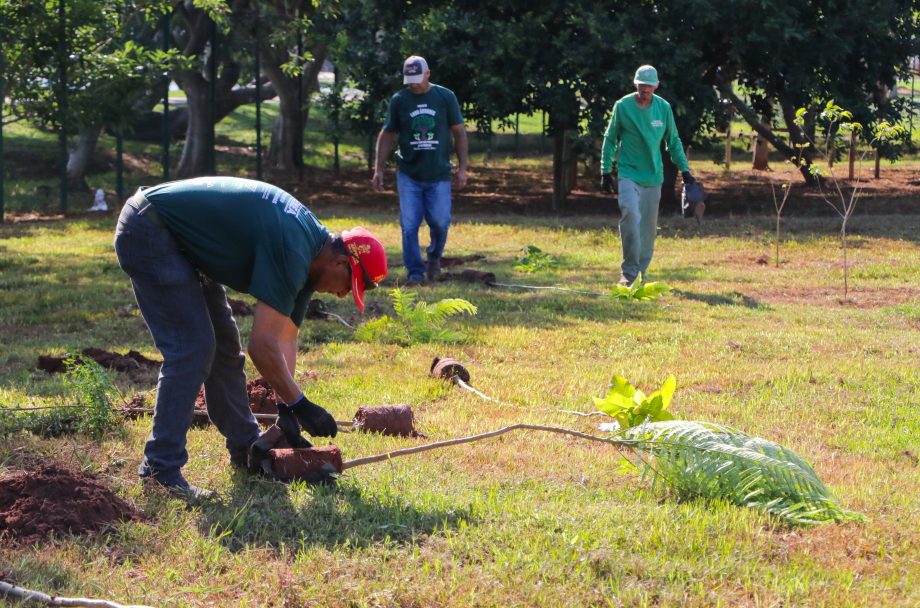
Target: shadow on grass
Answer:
[[713, 299], [261, 512]]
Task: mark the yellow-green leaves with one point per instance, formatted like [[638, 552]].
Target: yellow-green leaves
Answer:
[[630, 407], [639, 290]]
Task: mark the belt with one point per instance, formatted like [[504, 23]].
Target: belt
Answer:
[[146, 208]]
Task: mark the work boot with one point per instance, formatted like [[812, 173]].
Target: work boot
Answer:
[[178, 487], [626, 280], [434, 269], [414, 281]]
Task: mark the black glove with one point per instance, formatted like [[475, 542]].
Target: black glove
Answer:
[[288, 423], [314, 419], [607, 183], [688, 179]]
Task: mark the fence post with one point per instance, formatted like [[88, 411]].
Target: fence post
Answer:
[[300, 125], [728, 147], [852, 159], [166, 79], [62, 102], [878, 163], [212, 102], [2, 104], [258, 52]]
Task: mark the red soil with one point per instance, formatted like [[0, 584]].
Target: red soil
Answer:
[[54, 500]]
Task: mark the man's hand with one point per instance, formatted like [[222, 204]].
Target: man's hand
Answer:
[[377, 180], [607, 183], [688, 179], [314, 419], [287, 422], [461, 178]]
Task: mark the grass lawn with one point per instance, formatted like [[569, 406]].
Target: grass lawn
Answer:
[[525, 519]]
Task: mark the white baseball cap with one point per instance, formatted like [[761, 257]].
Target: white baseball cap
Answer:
[[646, 74], [414, 69]]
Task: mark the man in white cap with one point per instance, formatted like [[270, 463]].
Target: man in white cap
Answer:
[[422, 116], [640, 122]]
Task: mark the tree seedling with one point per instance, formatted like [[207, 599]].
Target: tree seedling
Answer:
[[630, 407], [640, 291], [535, 259]]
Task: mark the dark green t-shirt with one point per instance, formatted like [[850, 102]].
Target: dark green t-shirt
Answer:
[[248, 235], [423, 123]]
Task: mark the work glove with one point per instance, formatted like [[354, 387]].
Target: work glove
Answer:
[[688, 179], [607, 183], [304, 413]]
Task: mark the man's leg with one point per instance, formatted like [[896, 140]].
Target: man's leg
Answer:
[[410, 219], [437, 215], [630, 218], [225, 387], [169, 296], [649, 197]]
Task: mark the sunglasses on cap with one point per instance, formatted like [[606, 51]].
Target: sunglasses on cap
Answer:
[[369, 283]]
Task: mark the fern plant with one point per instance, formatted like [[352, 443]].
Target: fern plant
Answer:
[[640, 290], [535, 260], [702, 460], [416, 321]]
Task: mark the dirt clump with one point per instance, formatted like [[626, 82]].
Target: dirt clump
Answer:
[[239, 308], [290, 463], [131, 360], [395, 420], [469, 276], [54, 500], [262, 400]]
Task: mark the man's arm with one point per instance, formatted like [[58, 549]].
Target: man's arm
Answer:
[[384, 147], [609, 148], [273, 350], [461, 145], [674, 145]]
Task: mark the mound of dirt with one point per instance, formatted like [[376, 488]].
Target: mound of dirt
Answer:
[[129, 361], [239, 308], [262, 400], [54, 500]]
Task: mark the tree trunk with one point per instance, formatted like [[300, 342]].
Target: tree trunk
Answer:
[[283, 151], [194, 159], [750, 116], [80, 157]]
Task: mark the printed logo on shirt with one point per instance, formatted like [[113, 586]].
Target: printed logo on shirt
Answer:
[[423, 126], [657, 123]]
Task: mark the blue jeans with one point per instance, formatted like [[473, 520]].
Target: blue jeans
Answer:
[[417, 201], [638, 225], [193, 327]]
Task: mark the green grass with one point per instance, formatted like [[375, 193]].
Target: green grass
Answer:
[[525, 519]]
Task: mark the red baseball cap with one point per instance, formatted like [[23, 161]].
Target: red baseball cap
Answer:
[[368, 262]]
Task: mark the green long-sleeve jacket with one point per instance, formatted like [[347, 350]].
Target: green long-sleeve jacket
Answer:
[[634, 137]]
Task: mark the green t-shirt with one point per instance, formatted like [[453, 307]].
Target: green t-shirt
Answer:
[[245, 234], [636, 133], [423, 123]]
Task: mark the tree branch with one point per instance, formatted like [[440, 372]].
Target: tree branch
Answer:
[[38, 596]]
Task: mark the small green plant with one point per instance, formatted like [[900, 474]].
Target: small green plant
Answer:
[[535, 260], [630, 407], [91, 387], [640, 290], [416, 322]]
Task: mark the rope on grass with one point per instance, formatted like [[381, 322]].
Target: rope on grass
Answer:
[[549, 287], [37, 596], [618, 443], [456, 379]]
